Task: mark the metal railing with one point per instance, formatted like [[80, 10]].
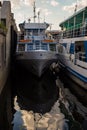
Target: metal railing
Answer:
[[36, 47], [79, 30], [41, 47], [27, 47]]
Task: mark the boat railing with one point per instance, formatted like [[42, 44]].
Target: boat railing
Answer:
[[40, 47], [32, 47], [79, 30], [24, 41]]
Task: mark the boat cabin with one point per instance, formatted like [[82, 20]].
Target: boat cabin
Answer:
[[76, 25], [33, 37], [73, 40]]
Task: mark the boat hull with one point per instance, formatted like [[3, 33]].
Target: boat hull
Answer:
[[36, 62], [73, 71]]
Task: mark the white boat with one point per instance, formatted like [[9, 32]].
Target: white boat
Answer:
[[72, 47], [35, 50]]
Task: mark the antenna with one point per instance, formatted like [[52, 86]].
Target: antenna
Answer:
[[75, 7], [34, 10], [51, 26], [29, 20], [38, 17]]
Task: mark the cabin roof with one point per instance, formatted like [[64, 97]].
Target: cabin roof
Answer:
[[36, 25]]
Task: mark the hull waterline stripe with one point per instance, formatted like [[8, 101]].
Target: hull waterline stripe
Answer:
[[77, 75]]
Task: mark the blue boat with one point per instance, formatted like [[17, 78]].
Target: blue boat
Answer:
[[72, 47]]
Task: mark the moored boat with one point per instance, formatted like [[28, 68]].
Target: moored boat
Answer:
[[72, 47], [35, 50]]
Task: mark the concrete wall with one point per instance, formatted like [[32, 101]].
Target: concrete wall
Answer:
[[7, 50], [6, 44], [3, 74]]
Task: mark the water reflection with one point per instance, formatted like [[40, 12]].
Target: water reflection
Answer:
[[74, 88], [37, 94], [77, 99], [5, 107], [28, 120], [33, 94]]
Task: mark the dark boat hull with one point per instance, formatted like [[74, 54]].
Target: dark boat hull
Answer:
[[37, 62]]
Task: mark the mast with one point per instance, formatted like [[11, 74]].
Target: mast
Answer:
[[75, 7], [38, 16], [34, 11]]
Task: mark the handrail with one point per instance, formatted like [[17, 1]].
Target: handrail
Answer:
[[47, 40], [36, 47], [79, 30], [43, 38], [24, 40]]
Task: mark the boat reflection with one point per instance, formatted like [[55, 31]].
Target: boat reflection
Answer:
[[75, 89], [37, 94]]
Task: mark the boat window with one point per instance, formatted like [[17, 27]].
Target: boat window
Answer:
[[72, 48], [79, 46], [64, 44], [52, 47], [30, 46], [37, 44], [28, 32], [42, 31], [44, 46], [37, 41], [80, 52], [77, 49], [21, 47], [35, 32]]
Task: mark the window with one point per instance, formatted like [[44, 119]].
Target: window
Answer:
[[30, 46], [52, 47], [72, 48], [37, 44], [44, 46]]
